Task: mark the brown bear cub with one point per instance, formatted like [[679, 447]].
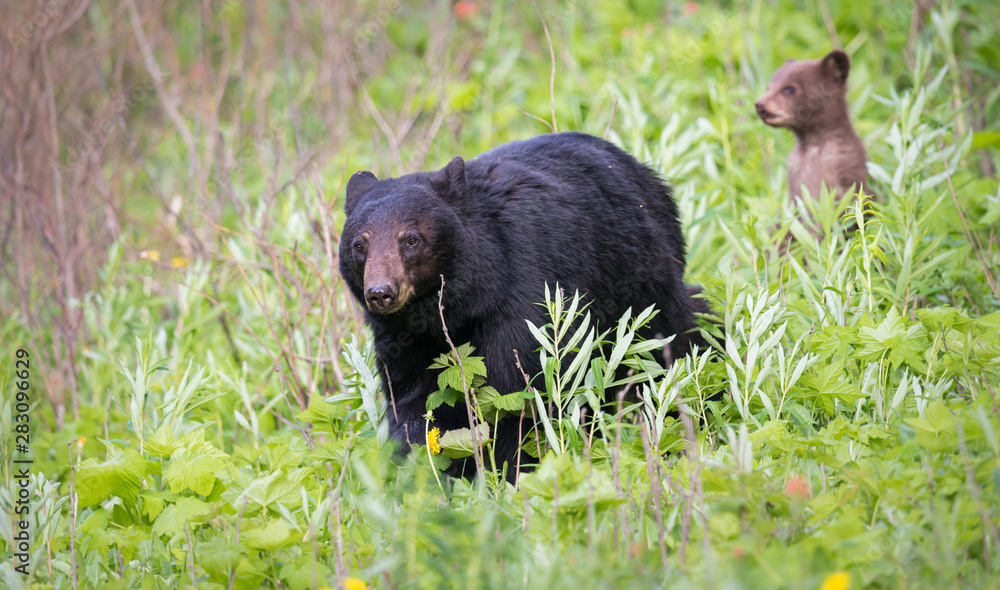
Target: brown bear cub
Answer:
[[809, 97]]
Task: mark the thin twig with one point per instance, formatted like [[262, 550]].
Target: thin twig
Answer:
[[169, 103], [392, 398], [72, 515], [697, 483], [973, 238], [527, 384], [335, 512], [465, 386], [187, 533], [305, 435], [655, 482]]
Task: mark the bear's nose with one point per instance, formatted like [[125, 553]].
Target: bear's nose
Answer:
[[381, 297], [760, 107]]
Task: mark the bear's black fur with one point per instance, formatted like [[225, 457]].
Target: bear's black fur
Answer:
[[564, 208]]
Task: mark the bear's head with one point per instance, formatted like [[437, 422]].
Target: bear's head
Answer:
[[401, 234], [803, 95]]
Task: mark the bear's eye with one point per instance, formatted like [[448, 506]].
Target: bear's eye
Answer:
[[412, 241], [789, 90], [359, 247]]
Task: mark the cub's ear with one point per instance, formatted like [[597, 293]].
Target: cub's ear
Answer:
[[836, 65], [449, 181], [358, 185]]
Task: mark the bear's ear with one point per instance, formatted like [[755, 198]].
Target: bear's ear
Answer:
[[358, 185], [449, 181], [836, 65]]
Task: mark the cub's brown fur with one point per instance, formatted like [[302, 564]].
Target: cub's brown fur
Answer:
[[809, 97]]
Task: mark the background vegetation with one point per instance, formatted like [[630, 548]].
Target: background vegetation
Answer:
[[204, 407]]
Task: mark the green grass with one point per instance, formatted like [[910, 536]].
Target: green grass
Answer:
[[228, 425]]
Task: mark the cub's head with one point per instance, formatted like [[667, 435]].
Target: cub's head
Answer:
[[805, 94], [400, 235]]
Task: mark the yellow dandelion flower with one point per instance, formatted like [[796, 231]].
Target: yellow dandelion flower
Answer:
[[432, 440], [153, 255], [81, 440], [355, 583], [178, 262], [837, 581]]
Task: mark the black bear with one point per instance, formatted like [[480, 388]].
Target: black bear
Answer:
[[564, 208]]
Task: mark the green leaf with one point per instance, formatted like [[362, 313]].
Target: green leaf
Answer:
[[452, 377], [834, 341], [304, 572], [938, 317], [446, 395], [95, 529], [474, 365], [577, 484], [218, 556], [275, 488], [829, 384], [484, 399], [267, 538], [986, 139], [171, 521], [443, 361], [770, 431], [162, 442], [511, 402], [154, 501], [456, 444], [937, 429], [120, 474], [318, 411], [195, 469], [892, 339]]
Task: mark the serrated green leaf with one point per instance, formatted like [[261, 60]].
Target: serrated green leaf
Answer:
[[828, 384], [447, 395], [484, 399], [95, 531], [937, 429], [171, 521], [195, 469], [120, 474], [219, 556], [162, 442], [268, 538], [154, 501], [892, 339], [474, 366], [938, 317], [511, 402], [275, 488], [318, 411], [577, 484], [456, 444], [834, 341]]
